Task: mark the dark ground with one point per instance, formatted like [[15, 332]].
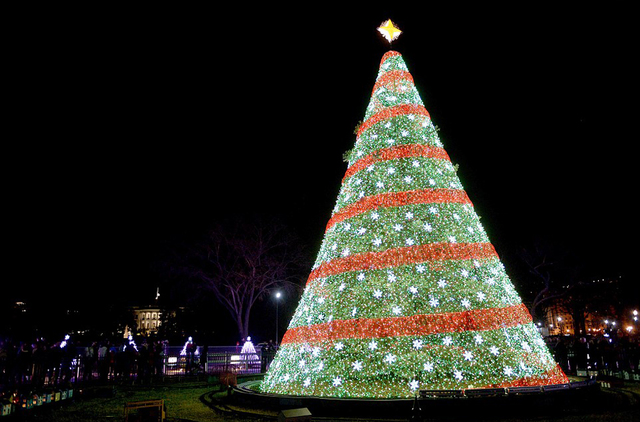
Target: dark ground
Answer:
[[200, 401]]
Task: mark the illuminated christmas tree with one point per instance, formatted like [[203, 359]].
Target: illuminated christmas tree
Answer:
[[407, 292], [248, 351]]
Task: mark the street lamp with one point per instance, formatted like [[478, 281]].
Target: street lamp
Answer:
[[560, 325], [278, 294]]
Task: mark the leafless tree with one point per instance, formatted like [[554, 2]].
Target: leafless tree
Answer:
[[547, 271], [241, 262]]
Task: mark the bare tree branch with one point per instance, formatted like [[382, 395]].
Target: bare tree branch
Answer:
[[546, 273], [240, 263]]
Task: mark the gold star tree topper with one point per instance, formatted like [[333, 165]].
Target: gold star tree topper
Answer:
[[389, 30]]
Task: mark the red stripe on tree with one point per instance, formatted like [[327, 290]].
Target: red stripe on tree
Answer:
[[392, 78], [403, 256], [391, 112], [414, 325], [397, 199], [397, 152]]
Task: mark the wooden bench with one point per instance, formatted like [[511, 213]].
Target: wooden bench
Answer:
[[154, 410]]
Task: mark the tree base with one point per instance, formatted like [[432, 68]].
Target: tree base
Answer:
[[573, 398]]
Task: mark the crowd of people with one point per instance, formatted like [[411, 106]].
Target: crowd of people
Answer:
[[57, 363], [595, 353], [41, 363]]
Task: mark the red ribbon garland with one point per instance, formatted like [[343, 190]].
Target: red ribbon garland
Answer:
[[391, 112], [398, 199], [415, 325], [403, 256], [401, 151], [391, 78]]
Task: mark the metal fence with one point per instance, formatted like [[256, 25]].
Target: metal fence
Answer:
[[215, 360], [120, 365]]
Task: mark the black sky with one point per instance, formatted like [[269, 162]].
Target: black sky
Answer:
[[134, 132]]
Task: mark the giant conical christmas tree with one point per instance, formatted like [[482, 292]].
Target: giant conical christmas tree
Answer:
[[407, 291]]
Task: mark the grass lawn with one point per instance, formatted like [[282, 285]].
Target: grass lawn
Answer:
[[182, 401], [187, 401]]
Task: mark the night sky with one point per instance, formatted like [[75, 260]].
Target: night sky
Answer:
[[124, 137]]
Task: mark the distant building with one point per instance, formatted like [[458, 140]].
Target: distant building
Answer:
[[148, 319], [20, 307], [558, 320], [597, 307]]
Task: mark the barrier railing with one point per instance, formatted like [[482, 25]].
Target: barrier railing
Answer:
[[171, 362]]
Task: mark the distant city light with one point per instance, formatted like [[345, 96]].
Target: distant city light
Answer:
[[63, 343], [132, 343], [183, 352]]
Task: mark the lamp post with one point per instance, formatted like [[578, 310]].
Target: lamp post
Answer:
[[278, 294], [609, 330], [560, 325]]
